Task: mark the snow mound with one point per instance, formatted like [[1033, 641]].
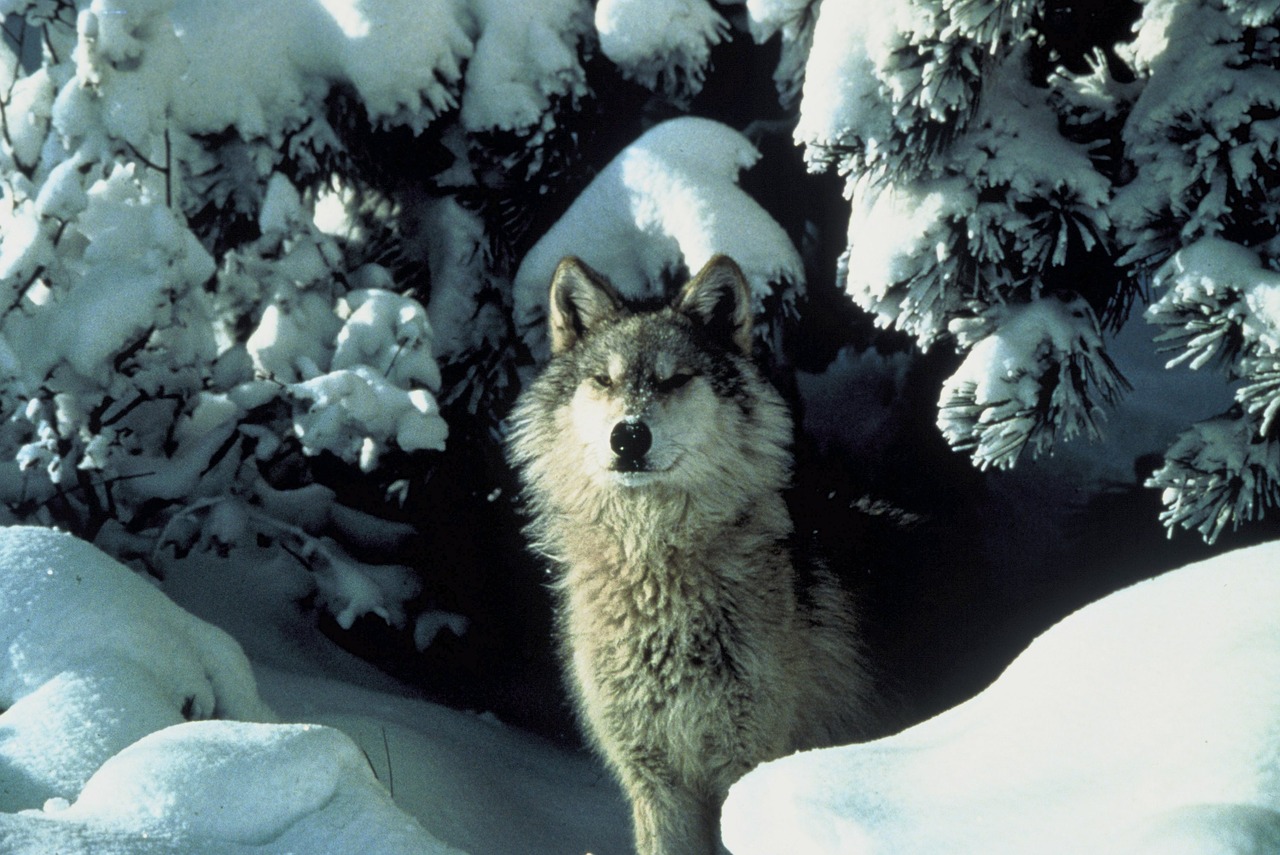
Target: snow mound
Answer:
[[120, 620], [671, 198], [1144, 723], [287, 788], [93, 659], [100, 676]]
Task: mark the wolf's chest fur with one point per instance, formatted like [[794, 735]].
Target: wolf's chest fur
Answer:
[[678, 642]]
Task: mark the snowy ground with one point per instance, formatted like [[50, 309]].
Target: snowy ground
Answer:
[[1143, 724], [96, 658]]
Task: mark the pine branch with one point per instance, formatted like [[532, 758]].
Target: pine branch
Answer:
[[1221, 472]]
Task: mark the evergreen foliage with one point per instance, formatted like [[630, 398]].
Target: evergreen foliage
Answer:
[[255, 258]]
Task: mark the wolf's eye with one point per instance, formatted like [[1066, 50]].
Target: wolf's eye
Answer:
[[674, 382], [604, 381]]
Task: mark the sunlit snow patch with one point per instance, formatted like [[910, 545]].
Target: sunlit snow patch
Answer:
[[1148, 722]]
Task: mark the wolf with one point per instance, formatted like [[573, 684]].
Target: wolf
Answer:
[[653, 457]]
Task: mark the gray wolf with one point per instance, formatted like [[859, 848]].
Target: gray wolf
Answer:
[[653, 456]]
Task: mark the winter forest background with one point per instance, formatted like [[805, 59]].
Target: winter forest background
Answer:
[[271, 277]]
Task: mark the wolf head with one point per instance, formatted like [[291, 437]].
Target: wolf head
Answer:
[[650, 399]]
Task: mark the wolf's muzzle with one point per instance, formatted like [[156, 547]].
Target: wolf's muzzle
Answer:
[[630, 441]]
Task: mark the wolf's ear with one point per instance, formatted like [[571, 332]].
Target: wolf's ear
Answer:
[[718, 299], [581, 299]]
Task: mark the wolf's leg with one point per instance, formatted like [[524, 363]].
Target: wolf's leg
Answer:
[[672, 821]]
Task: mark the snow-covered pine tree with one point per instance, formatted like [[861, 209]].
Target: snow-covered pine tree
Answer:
[[1020, 172], [969, 206], [219, 225], [309, 237], [1200, 219]]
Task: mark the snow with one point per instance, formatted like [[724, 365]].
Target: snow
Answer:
[[661, 43], [994, 212], [360, 371], [843, 97], [900, 233], [1219, 303], [1144, 723], [1198, 134], [795, 20], [77, 690], [456, 261], [526, 54], [995, 402], [136, 727], [31, 106], [669, 199], [263, 68], [1215, 276]]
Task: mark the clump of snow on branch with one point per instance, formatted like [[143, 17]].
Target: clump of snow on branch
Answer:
[[299, 49], [794, 22], [668, 201], [1003, 207], [662, 44], [1200, 218], [524, 57], [369, 384], [1030, 377], [1217, 301], [1219, 473], [157, 371], [1008, 203], [887, 85], [1141, 724]]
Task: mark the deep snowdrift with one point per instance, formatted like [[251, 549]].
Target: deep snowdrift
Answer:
[[1148, 722]]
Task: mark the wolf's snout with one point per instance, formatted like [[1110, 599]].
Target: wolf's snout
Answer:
[[630, 441]]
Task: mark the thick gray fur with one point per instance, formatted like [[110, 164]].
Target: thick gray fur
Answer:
[[692, 649]]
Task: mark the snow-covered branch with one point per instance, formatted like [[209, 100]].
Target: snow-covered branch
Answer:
[[1033, 374]]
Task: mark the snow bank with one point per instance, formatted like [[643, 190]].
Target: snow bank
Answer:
[[100, 677], [671, 198], [1144, 723], [94, 658], [227, 786], [49, 575]]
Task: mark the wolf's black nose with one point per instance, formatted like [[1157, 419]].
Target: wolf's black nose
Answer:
[[630, 441]]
